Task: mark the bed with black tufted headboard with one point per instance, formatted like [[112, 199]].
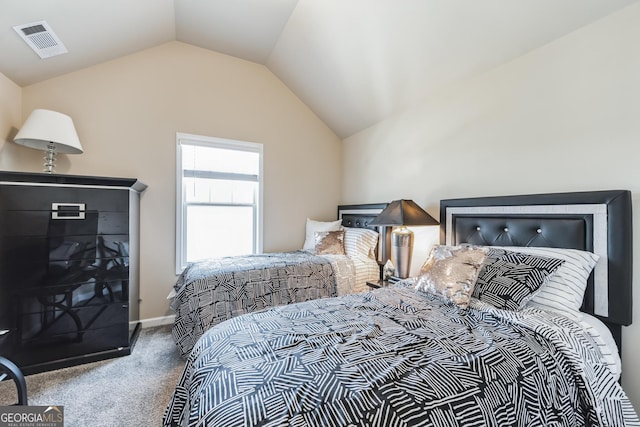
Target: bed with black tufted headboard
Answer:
[[596, 221], [402, 355], [213, 290]]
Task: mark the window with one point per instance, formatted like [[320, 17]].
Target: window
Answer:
[[219, 198]]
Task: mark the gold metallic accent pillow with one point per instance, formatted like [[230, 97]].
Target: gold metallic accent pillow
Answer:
[[329, 242], [451, 272]]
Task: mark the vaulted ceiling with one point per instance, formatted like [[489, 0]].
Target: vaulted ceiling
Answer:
[[353, 62]]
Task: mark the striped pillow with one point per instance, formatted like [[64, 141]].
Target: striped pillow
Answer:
[[360, 241], [508, 279], [565, 289]]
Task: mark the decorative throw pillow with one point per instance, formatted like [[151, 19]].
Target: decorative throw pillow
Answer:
[[508, 280], [564, 291], [451, 272], [313, 226], [329, 242], [360, 241]]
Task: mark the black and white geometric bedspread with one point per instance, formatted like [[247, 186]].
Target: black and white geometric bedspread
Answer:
[[396, 357], [211, 291]]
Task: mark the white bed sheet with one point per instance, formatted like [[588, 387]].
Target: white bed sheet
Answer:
[[606, 344]]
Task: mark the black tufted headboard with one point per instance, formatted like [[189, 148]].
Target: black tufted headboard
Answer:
[[360, 216], [598, 221]]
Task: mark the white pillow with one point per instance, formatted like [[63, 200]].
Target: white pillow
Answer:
[[606, 344], [564, 290], [313, 226], [360, 241]]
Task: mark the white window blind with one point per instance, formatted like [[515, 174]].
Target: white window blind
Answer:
[[219, 198]]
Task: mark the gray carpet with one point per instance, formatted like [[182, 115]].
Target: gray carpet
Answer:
[[128, 391]]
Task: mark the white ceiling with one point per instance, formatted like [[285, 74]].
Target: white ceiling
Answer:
[[353, 62]]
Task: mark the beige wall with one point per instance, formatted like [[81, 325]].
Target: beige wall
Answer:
[[127, 113], [565, 117], [10, 120]]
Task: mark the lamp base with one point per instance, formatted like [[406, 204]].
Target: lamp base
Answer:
[[50, 158], [401, 250]]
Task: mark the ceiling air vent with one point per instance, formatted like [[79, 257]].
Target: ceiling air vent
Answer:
[[41, 38]]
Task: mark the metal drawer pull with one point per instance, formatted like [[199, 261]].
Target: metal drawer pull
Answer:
[[67, 210], [4, 332]]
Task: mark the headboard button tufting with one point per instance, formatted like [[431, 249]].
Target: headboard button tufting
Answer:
[[539, 231], [506, 229]]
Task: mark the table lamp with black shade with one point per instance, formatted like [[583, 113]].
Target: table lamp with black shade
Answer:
[[399, 214]]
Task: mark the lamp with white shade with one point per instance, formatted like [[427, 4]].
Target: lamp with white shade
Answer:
[[400, 214], [50, 131]]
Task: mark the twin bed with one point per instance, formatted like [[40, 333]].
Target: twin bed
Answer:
[[214, 290], [399, 356]]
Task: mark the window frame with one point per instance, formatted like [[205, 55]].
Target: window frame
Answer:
[[214, 142]]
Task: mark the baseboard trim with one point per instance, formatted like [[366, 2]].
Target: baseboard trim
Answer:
[[158, 321]]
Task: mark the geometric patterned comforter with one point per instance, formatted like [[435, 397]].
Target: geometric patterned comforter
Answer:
[[211, 291], [397, 357]]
